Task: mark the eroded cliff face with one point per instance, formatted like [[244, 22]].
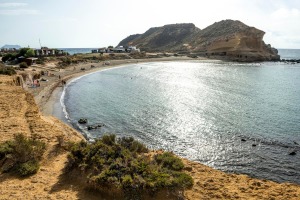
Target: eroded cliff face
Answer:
[[235, 41], [227, 39], [19, 114]]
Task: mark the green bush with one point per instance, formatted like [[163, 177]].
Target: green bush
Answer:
[[28, 168], [22, 52], [7, 71], [40, 61], [108, 139], [168, 160], [6, 148], [23, 65], [23, 155], [29, 53], [132, 145], [122, 163], [27, 149], [8, 57], [182, 179]]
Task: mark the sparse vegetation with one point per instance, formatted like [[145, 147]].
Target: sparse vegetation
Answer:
[[169, 161], [21, 155], [125, 164], [23, 65], [7, 70], [8, 57], [41, 61]]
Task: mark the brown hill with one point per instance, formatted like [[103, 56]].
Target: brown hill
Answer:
[[227, 39], [163, 38]]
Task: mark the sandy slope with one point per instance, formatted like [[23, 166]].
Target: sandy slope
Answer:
[[20, 114], [214, 184]]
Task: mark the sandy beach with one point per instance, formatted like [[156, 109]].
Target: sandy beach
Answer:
[[32, 115]]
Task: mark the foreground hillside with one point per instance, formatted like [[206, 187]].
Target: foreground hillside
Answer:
[[20, 114], [227, 39]]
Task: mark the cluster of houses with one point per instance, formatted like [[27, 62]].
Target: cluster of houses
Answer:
[[45, 51], [118, 49], [9, 50]]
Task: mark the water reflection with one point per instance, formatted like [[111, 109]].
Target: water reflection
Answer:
[[198, 110]]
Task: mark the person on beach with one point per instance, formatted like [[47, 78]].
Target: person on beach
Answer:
[[58, 76], [63, 82], [34, 83]]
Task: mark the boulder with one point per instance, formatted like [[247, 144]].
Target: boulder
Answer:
[[82, 121], [96, 126]]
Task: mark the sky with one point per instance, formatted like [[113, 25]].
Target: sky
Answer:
[[100, 23]]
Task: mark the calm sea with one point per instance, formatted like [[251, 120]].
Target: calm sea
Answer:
[[200, 110], [73, 51]]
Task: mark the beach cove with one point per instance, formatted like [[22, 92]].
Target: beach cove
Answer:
[[208, 183], [235, 117]]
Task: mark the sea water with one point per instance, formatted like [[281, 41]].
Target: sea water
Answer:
[[236, 117], [73, 51]]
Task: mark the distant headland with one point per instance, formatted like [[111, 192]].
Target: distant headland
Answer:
[[226, 40], [10, 46]]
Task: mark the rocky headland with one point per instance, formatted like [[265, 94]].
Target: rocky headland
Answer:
[[226, 40]]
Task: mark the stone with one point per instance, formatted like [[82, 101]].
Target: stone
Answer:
[[292, 153], [82, 121]]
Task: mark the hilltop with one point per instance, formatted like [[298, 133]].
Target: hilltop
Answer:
[[227, 39], [9, 46]]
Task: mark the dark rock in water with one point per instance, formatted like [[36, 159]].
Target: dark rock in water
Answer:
[[292, 153], [82, 121], [91, 127], [95, 126], [243, 140], [296, 143], [254, 145], [291, 61]]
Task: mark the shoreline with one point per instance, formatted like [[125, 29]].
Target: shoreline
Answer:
[[49, 96]]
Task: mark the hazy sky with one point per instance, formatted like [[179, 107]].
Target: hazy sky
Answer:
[[98, 23]]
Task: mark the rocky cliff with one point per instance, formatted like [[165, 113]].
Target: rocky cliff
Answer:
[[227, 39]]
